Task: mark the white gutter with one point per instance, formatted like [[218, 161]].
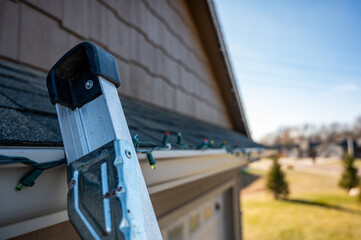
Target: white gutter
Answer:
[[47, 154], [171, 154]]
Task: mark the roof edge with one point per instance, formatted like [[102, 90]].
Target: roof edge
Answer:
[[210, 33], [224, 52]]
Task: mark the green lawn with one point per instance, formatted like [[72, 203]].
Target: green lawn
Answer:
[[339, 163], [316, 210]]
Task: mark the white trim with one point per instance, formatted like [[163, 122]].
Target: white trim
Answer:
[[173, 172], [20, 228], [195, 177], [172, 154]]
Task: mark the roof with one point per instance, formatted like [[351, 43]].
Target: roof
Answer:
[[29, 119], [210, 32]]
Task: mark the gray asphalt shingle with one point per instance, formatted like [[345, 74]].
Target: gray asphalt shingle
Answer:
[[27, 118]]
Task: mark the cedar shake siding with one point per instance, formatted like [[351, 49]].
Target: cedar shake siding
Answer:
[[158, 49]]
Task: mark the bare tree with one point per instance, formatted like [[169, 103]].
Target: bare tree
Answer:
[[290, 135]]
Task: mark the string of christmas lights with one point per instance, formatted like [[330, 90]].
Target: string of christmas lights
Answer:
[[28, 180], [147, 148]]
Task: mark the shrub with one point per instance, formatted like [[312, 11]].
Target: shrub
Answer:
[[276, 182], [359, 193], [349, 177]]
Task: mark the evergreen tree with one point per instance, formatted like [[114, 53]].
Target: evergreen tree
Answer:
[[276, 182], [349, 177], [359, 194]]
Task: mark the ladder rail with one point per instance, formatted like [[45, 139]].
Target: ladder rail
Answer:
[[91, 126], [108, 197]]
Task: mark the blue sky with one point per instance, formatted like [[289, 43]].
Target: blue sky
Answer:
[[295, 61]]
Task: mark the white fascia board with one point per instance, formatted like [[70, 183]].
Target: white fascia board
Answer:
[[170, 173]]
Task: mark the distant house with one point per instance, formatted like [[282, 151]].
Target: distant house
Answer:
[[307, 148], [176, 77], [291, 151], [330, 150], [352, 146], [303, 149], [338, 149]]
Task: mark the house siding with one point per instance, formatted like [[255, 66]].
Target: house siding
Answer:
[[158, 50]]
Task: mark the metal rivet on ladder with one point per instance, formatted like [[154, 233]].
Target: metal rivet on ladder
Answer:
[[89, 84], [128, 153]]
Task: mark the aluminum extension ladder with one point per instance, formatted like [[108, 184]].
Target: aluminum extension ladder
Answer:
[[107, 197]]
